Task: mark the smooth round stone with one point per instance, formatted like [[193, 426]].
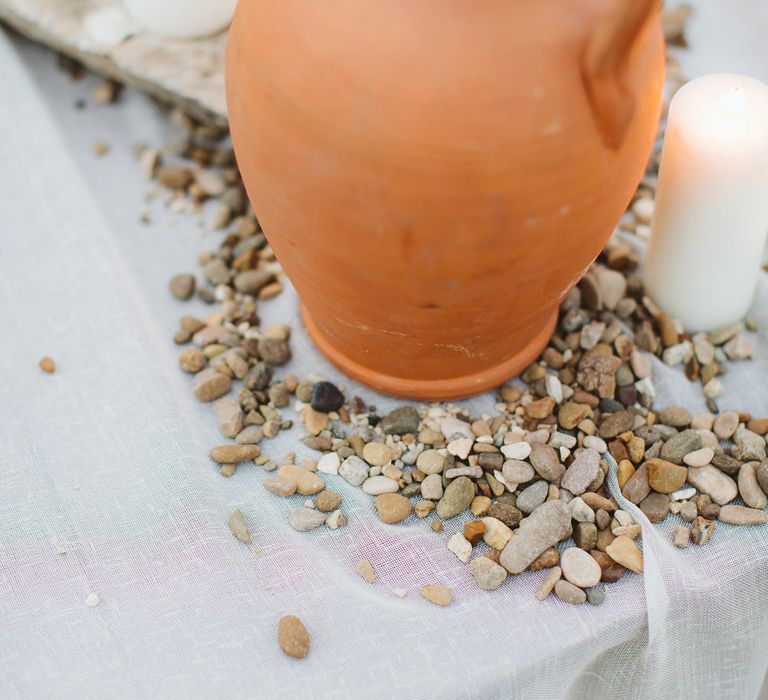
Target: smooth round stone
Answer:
[[741, 515], [546, 462], [761, 472], [749, 488], [699, 458], [655, 506], [329, 463], [680, 445], [304, 519], [596, 595], [496, 533], [400, 421], [676, 416], [326, 397], [580, 568], [725, 424], [376, 485], [595, 443], [182, 286], [392, 507], [506, 513], [665, 477], [582, 472], [580, 511], [488, 574], [517, 472], [430, 462], [569, 593], [457, 497], [432, 487], [712, 482], [376, 454], [532, 497], [353, 470], [460, 546], [516, 450]]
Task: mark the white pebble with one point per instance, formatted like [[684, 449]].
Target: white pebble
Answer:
[[399, 592], [595, 443], [683, 494], [92, 600], [516, 450], [460, 546], [699, 458]]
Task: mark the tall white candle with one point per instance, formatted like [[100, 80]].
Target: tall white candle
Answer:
[[711, 216]]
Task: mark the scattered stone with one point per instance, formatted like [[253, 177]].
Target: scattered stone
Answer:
[[376, 485], [460, 546], [307, 482], [336, 520], [400, 421], [546, 463], [182, 286], [327, 501], [432, 487], [239, 527], [699, 458], [366, 570], [680, 445], [655, 506], [234, 454], [392, 507], [624, 551], [229, 416], [595, 595], [580, 568], [457, 497], [761, 473], [474, 531], [92, 599], [549, 582], [545, 527], [676, 416], [517, 472], [582, 472], [682, 536], [637, 486], [506, 513], [664, 476], [326, 397], [569, 593], [353, 470], [377, 454], [488, 574], [725, 425], [742, 515], [423, 508], [293, 637], [210, 384], [438, 595], [304, 519], [749, 488], [280, 487], [495, 533], [711, 481], [749, 446], [532, 497], [329, 463], [430, 462]]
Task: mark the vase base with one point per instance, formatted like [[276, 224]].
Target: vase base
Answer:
[[433, 389]]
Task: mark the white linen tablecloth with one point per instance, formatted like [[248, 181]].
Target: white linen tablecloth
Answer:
[[107, 458]]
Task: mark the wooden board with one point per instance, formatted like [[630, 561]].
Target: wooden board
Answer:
[[189, 74]]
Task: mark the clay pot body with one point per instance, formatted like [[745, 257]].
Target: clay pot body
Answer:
[[435, 177]]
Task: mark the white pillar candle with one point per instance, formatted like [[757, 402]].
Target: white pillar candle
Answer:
[[711, 216]]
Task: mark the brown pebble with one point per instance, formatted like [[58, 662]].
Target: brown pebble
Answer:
[[392, 507], [192, 360], [239, 527], [474, 530], [366, 570], [293, 636], [234, 454], [611, 570], [437, 525], [438, 595], [327, 501], [47, 365], [547, 559]]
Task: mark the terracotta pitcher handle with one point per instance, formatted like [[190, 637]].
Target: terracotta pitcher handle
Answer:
[[605, 68]]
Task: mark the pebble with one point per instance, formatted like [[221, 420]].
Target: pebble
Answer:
[[726, 464], [612, 571], [488, 574], [376, 454], [680, 445], [304, 519], [572, 413], [307, 483], [683, 494], [460, 546], [516, 450], [432, 487], [327, 501], [595, 595], [216, 272], [548, 584], [595, 443], [279, 486], [471, 472], [495, 534], [251, 281], [580, 568], [532, 497], [92, 599], [711, 481], [326, 397], [353, 470], [461, 447], [725, 424], [506, 513], [616, 423], [366, 570], [399, 592], [329, 463], [239, 527], [544, 528], [182, 286], [250, 435], [739, 348], [474, 531], [582, 472], [336, 520], [580, 511], [516, 471], [210, 384], [375, 485], [624, 551], [655, 506], [400, 421], [665, 477], [438, 595], [676, 416], [392, 507], [191, 360], [643, 210], [234, 454], [682, 536], [546, 463], [749, 446], [457, 497], [569, 593], [741, 515], [699, 458], [761, 472], [423, 508], [293, 637], [749, 488], [430, 462], [229, 416], [611, 284]]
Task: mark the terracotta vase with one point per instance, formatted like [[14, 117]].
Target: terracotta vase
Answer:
[[435, 176]]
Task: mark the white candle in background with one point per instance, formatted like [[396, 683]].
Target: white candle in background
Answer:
[[711, 216]]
